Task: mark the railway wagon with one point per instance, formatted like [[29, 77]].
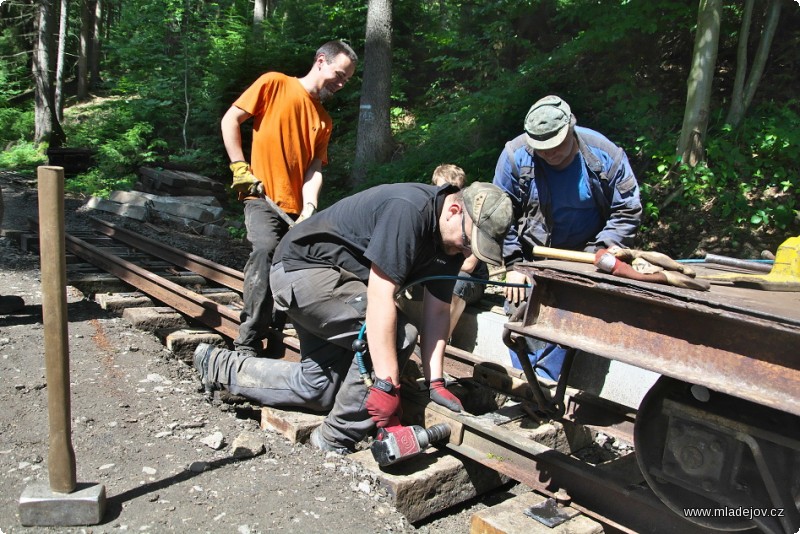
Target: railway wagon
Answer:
[[718, 434]]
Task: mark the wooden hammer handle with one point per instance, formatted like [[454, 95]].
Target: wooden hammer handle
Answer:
[[562, 254]]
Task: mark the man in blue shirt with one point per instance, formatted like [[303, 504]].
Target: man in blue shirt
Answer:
[[571, 188]]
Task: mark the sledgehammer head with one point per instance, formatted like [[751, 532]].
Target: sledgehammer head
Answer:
[[605, 261], [400, 443]]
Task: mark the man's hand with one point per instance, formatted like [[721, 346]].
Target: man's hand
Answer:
[[384, 408], [515, 295], [244, 182], [309, 209], [440, 395]]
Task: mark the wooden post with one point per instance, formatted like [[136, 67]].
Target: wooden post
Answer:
[[61, 458]]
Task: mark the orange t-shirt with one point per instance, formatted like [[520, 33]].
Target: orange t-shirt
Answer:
[[290, 130]]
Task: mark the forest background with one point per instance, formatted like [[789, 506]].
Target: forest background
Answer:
[[701, 94]]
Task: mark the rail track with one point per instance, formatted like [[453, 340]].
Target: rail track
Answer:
[[637, 492]]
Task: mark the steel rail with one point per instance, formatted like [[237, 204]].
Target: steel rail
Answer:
[[216, 316], [598, 493], [225, 276]]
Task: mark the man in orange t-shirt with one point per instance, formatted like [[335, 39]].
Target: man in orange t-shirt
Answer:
[[291, 131]]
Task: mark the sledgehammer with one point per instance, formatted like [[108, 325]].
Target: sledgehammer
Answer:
[[277, 209], [609, 262]]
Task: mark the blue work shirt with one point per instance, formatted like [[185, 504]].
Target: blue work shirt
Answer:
[[576, 217]]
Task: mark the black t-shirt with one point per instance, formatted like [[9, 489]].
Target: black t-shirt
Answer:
[[394, 226]]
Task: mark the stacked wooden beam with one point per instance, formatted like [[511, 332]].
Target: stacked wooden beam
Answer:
[[178, 183], [179, 199]]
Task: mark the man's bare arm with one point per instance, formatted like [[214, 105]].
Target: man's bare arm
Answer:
[[434, 330], [382, 325], [312, 184], [232, 133]]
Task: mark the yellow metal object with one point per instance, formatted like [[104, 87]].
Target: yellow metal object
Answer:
[[784, 276]]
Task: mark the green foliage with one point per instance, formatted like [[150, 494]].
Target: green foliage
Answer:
[[131, 148], [23, 155], [464, 74], [14, 67], [237, 233], [15, 125], [122, 143], [751, 179], [99, 184]]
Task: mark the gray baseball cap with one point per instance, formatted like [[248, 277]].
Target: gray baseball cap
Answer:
[[547, 122], [491, 212]]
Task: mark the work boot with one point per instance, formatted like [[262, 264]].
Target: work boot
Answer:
[[202, 357], [11, 304], [322, 444]]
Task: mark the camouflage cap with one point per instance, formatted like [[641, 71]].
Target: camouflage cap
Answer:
[[548, 122], [491, 212]]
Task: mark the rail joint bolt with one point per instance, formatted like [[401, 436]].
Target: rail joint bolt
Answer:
[[562, 497]]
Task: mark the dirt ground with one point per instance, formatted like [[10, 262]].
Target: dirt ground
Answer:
[[141, 429]]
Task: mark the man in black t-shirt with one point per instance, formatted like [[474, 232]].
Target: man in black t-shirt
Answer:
[[343, 267]]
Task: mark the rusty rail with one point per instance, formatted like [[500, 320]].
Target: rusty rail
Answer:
[[225, 276], [216, 316], [599, 493]]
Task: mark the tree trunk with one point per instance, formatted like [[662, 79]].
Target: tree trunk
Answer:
[[259, 12], [87, 13], [47, 128], [374, 143], [62, 45], [186, 32], [736, 111], [743, 92], [691, 146], [94, 55]]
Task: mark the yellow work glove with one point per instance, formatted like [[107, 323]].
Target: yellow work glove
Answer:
[[309, 209], [244, 182]]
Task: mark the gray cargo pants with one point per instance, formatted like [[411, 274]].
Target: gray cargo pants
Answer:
[[327, 307], [265, 229]]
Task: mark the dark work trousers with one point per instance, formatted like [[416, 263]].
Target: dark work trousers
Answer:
[[265, 229], [327, 308]]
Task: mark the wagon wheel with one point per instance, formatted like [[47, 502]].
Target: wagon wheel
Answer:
[[702, 449]]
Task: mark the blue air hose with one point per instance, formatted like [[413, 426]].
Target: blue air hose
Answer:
[[360, 343], [360, 347]]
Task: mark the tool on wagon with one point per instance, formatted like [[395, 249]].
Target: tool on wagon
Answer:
[[783, 276], [644, 266]]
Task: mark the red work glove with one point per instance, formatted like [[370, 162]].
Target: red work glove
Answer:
[[384, 408], [440, 395], [392, 427]]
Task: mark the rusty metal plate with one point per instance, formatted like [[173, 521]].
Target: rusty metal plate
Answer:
[[737, 341]]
